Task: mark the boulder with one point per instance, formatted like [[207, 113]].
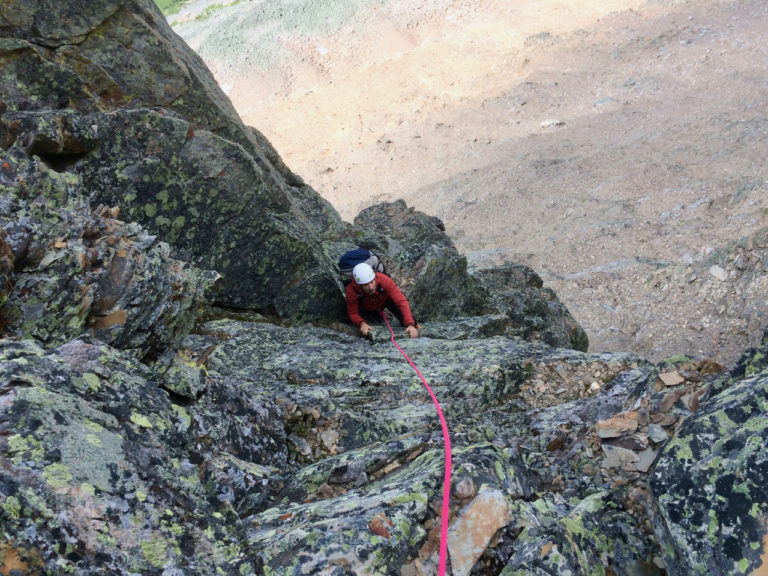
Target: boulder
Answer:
[[709, 485], [534, 311]]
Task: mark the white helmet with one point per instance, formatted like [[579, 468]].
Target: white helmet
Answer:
[[363, 273]]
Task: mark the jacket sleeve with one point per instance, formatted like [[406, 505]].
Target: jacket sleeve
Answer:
[[353, 310], [396, 295]]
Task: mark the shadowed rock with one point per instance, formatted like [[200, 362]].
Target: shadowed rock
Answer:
[[114, 95]]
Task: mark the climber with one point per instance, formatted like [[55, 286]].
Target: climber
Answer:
[[369, 294]]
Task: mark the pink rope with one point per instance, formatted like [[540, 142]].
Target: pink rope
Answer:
[[447, 442]]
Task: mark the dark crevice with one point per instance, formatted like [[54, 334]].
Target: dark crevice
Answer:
[[60, 162]]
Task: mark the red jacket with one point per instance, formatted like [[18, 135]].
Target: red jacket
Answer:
[[386, 289]]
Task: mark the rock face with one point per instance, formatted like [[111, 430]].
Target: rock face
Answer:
[[140, 436], [110, 93], [101, 477]]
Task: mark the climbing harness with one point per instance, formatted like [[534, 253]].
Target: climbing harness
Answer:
[[447, 443]]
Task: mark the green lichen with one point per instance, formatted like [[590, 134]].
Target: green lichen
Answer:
[[754, 366], [677, 359], [106, 539], [410, 497], [25, 448], [682, 448], [714, 528], [93, 426], [724, 421], [12, 507], [183, 415], [499, 471], [93, 381], [57, 475], [93, 440], [155, 551], [140, 420], [179, 222]]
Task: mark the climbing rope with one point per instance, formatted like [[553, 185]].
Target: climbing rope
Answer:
[[447, 443]]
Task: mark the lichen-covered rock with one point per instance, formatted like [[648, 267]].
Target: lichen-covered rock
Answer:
[[710, 485], [363, 435], [371, 528], [423, 261], [217, 208], [107, 55], [6, 268], [59, 134], [595, 535], [752, 361], [101, 471], [407, 234], [465, 328], [443, 289], [330, 451], [78, 270], [181, 374]]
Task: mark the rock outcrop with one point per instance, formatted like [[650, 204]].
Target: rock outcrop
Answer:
[[423, 260], [110, 93], [145, 427], [72, 267]]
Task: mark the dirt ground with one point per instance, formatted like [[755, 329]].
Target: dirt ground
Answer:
[[617, 147]]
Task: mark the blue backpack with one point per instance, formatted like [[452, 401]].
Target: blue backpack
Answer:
[[352, 258]]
